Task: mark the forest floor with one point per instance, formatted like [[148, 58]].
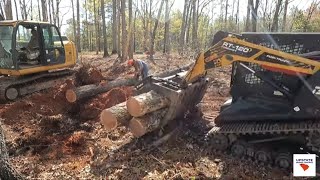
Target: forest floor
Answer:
[[49, 138]]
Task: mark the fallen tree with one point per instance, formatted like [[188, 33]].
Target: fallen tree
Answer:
[[139, 126], [115, 116], [75, 94], [145, 103]]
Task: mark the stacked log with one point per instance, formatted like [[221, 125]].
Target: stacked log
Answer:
[[141, 114]]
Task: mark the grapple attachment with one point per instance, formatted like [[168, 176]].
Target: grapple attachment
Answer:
[[183, 98]]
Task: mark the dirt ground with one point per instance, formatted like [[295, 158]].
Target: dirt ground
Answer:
[[49, 138]]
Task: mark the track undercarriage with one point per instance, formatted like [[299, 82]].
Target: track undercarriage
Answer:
[[12, 88], [268, 142]]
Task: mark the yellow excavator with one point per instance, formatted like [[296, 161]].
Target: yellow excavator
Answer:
[[32, 57], [275, 89]]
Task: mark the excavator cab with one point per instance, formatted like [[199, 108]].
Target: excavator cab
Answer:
[[32, 57], [30, 47]]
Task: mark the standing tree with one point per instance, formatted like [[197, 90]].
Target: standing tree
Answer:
[[105, 47], [118, 27], [254, 14], [114, 27], [74, 24], [155, 30], [124, 31], [78, 27], [247, 28], [275, 24], [183, 27], [284, 21], [166, 29], [8, 9], [130, 31], [44, 10]]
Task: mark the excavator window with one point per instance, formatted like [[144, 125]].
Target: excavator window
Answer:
[[28, 45], [54, 49], [5, 47]]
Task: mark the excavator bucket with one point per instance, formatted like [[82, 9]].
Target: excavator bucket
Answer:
[[183, 99]]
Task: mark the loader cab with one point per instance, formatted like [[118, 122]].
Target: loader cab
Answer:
[[25, 45]]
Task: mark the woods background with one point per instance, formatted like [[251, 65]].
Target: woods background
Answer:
[[126, 26]]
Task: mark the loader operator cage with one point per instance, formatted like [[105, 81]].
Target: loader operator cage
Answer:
[[244, 83]]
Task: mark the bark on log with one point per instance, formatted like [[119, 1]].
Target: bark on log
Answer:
[[115, 116], [146, 103], [73, 95], [139, 126]]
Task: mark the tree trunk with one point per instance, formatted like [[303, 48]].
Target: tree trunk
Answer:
[[96, 26], [78, 27], [284, 21], [139, 126], [155, 30], [238, 17], [130, 48], [49, 11], [57, 13], [275, 23], [114, 27], [53, 13], [75, 94], [115, 116], [39, 10], [104, 30], [254, 15], [183, 27], [74, 24], [119, 28], [8, 10], [86, 43], [226, 15], [124, 31], [194, 25], [44, 10], [16, 8], [188, 23], [145, 103], [166, 29], [247, 28]]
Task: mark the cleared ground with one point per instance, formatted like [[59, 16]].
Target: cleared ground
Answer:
[[49, 138]]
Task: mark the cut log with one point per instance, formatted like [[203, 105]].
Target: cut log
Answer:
[[146, 103], [139, 126], [115, 116], [75, 94], [174, 71]]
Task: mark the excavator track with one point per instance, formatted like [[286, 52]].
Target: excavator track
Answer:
[[266, 142], [12, 88]]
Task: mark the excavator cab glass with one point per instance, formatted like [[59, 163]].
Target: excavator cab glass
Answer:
[[6, 61]]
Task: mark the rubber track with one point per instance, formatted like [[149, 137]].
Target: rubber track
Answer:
[[246, 128]]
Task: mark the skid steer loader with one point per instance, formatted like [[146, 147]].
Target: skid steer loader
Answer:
[[275, 91]]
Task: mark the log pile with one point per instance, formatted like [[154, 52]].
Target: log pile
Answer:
[[141, 114]]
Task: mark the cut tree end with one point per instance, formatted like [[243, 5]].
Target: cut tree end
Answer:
[[136, 128], [108, 120], [134, 107], [71, 96]]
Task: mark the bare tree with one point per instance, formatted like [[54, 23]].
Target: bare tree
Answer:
[[96, 26], [275, 24], [44, 10], [226, 15], [194, 25], [118, 28], [130, 31], [78, 27], [254, 14], [284, 21], [8, 9], [247, 28], [166, 29], [183, 26], [155, 30], [74, 24], [114, 27], [124, 31], [105, 43]]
